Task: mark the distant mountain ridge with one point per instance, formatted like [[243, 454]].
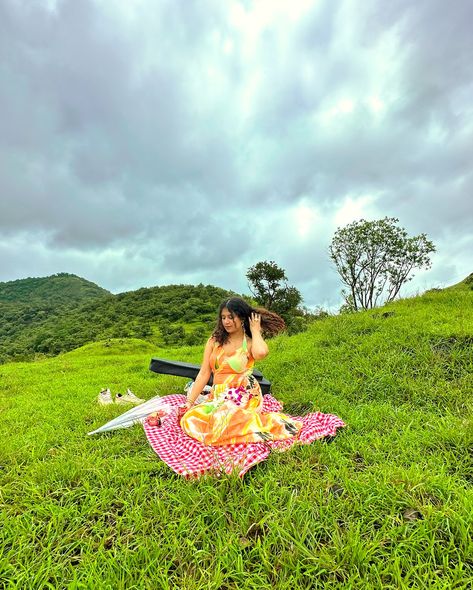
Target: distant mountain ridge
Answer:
[[56, 314]]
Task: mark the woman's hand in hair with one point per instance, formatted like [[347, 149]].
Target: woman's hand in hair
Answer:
[[259, 348], [255, 323]]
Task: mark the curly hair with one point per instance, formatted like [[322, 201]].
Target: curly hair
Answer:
[[271, 323]]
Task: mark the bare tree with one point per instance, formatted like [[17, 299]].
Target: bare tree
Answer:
[[375, 258]]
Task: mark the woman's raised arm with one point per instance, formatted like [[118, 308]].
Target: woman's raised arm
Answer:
[[259, 348]]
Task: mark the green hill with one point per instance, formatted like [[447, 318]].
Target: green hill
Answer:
[[387, 504], [59, 313], [28, 304], [58, 290]]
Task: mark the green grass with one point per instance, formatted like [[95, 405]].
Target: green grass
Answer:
[[386, 504]]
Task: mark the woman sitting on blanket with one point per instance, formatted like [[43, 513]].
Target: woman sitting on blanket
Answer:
[[232, 412]]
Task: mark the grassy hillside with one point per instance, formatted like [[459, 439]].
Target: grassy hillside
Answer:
[[64, 312], [387, 504]]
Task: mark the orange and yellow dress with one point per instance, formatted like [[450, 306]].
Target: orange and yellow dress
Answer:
[[232, 414]]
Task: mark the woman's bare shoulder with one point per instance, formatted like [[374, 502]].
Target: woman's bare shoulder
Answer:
[[209, 347]]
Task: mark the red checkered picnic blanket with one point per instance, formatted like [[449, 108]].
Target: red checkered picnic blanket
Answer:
[[189, 457]]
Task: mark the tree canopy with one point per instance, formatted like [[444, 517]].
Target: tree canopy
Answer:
[[375, 258], [268, 283]]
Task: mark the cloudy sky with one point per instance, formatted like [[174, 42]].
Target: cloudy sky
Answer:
[[150, 142]]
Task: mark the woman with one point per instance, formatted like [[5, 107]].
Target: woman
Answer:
[[232, 413]]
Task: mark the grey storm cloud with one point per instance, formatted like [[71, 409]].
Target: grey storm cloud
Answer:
[[144, 142]]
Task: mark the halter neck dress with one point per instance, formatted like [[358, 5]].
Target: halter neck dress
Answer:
[[232, 414]]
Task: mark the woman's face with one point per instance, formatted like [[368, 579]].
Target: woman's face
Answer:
[[231, 322]]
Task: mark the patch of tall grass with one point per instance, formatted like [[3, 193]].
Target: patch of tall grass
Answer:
[[386, 504]]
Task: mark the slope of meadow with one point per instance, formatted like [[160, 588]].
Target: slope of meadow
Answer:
[[388, 503]]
